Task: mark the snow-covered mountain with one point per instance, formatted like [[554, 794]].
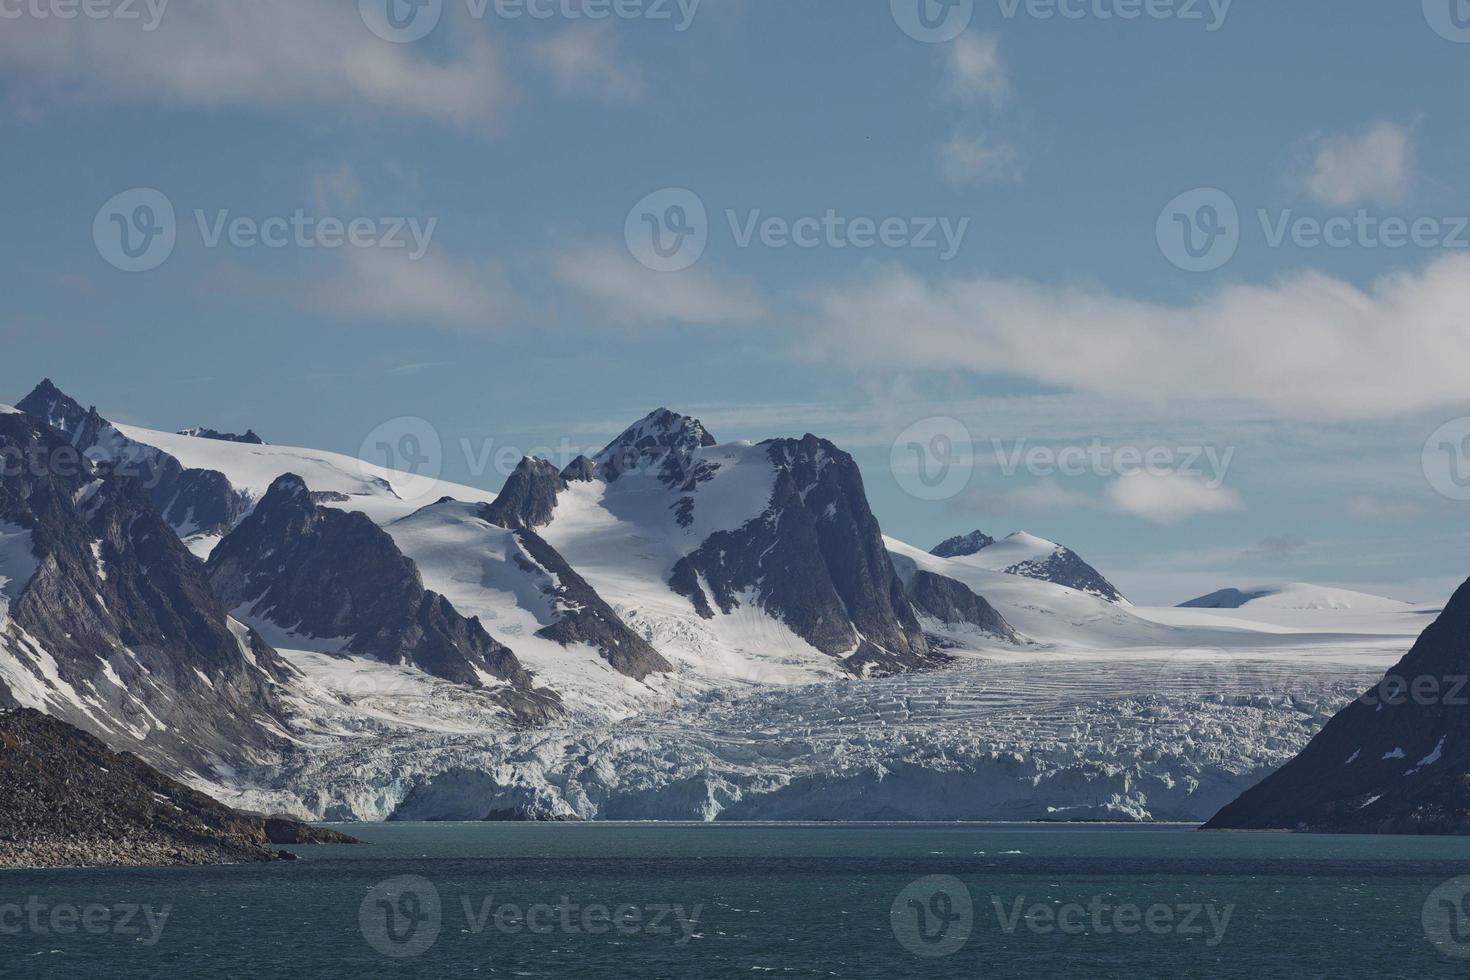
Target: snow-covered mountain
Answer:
[[1292, 595], [107, 621], [673, 628], [1030, 556]]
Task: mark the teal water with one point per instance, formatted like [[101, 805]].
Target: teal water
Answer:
[[871, 901]]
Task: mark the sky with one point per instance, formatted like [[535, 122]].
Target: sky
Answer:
[[1182, 284]]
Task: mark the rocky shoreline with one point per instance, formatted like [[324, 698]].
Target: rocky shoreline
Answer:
[[66, 800]]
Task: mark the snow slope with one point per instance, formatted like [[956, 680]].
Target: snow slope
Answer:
[[1292, 595], [382, 494]]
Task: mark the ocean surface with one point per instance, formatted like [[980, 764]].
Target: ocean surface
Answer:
[[737, 900]]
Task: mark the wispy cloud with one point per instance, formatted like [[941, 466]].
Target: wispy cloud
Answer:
[[374, 284], [974, 70], [1311, 346], [628, 293], [978, 159], [1357, 168], [586, 60], [278, 55]]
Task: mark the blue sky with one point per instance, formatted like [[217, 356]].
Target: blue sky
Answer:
[[1288, 394]]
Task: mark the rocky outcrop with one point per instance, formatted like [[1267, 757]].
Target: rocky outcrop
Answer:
[[583, 615], [66, 800], [191, 501], [331, 574], [662, 444], [954, 604], [528, 499], [963, 545], [1394, 761], [248, 439], [1032, 557], [815, 559], [116, 628]]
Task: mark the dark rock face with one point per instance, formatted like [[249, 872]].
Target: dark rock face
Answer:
[[327, 573], [192, 501], [580, 470], [1065, 567], [954, 603], [585, 617], [1395, 761], [528, 499], [1223, 599], [128, 617], [1062, 567], [963, 546], [663, 443], [248, 439], [66, 800], [816, 560]]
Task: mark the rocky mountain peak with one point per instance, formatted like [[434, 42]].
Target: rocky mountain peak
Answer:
[[664, 443], [528, 498], [964, 545]]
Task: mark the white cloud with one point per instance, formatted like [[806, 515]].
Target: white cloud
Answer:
[[1159, 497], [1368, 507], [1361, 167], [381, 284], [974, 70], [585, 60], [978, 160], [267, 54], [1310, 346], [1167, 498], [630, 293]]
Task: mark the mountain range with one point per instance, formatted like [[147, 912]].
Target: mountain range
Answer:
[[673, 627]]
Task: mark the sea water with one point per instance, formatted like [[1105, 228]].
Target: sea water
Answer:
[[751, 901]]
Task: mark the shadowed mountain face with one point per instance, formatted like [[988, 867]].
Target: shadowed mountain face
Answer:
[[114, 627], [815, 559], [585, 617], [331, 574], [191, 501], [953, 603], [1394, 761]]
